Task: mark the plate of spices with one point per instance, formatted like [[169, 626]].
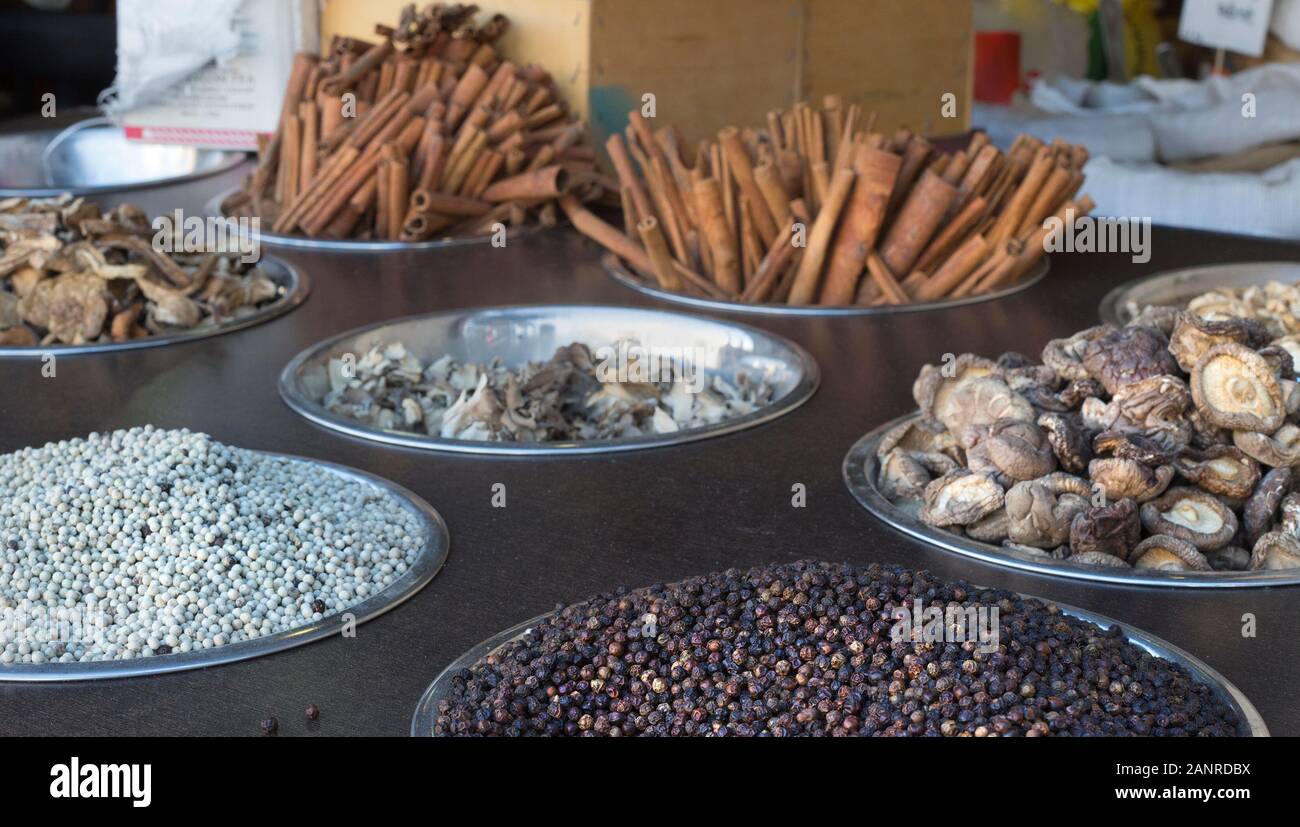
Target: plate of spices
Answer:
[[587, 669]]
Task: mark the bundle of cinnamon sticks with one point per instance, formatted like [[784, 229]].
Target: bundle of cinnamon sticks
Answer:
[[816, 208], [427, 132]]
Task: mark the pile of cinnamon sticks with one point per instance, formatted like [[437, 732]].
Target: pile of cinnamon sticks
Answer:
[[816, 208], [427, 132]]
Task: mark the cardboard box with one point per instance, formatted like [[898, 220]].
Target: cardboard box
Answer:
[[721, 62], [227, 107]]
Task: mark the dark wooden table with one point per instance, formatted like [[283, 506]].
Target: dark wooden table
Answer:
[[574, 526]]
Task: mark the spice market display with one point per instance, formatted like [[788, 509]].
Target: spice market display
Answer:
[[1080, 511]]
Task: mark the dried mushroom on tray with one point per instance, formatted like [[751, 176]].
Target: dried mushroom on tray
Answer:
[[570, 397], [71, 274], [1167, 444]]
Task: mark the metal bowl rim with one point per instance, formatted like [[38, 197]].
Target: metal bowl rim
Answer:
[[1109, 308], [430, 561], [298, 290], [808, 383], [619, 273], [868, 495], [426, 710], [233, 158], [346, 245]]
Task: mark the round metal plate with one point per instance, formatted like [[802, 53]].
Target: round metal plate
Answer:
[[94, 157], [355, 245], [1178, 287], [427, 565], [862, 468], [620, 273], [294, 289], [532, 333], [1252, 724]]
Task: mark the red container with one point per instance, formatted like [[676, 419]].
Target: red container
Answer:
[[997, 66]]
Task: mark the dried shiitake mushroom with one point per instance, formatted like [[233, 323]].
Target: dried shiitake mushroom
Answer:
[[1228, 558], [1221, 470], [1121, 357], [1234, 387], [1098, 558], [1112, 529], [1011, 450], [1275, 550], [1190, 514], [990, 529], [1065, 356], [1193, 335], [1121, 478], [905, 474], [1261, 509], [1040, 512], [1069, 441], [936, 382], [960, 497], [1280, 449], [920, 434], [1133, 445], [1164, 553]]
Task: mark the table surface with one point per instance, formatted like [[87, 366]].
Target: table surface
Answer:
[[574, 526]]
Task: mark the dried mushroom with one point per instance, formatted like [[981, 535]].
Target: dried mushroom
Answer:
[[1221, 470], [1121, 357], [1120, 478], [1280, 449], [1011, 450], [1193, 335], [1260, 510], [1164, 553], [1040, 512], [1112, 529], [71, 274], [1073, 460], [1190, 514], [1234, 387], [960, 498], [1274, 551], [567, 398]]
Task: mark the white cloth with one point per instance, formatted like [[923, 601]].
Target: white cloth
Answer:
[[1285, 24], [1262, 204], [161, 44]]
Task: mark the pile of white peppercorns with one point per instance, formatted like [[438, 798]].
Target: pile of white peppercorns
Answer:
[[151, 542]]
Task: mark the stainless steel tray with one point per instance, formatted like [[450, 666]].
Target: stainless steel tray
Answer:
[[355, 245], [861, 470], [1252, 724], [620, 273], [427, 565], [94, 157], [294, 289], [1178, 287], [524, 333]]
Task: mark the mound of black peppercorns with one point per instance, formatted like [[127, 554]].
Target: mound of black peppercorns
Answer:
[[806, 649]]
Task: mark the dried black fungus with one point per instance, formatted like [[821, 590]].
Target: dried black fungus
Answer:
[[806, 649]]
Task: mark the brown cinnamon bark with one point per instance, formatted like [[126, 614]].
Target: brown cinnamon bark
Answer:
[[864, 215], [916, 222]]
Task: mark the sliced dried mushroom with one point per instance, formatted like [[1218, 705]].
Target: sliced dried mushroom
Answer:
[[1011, 450], [1275, 551], [1222, 470], [1099, 558], [1065, 356], [1161, 552], [72, 307], [960, 497], [1190, 514], [1228, 558], [1112, 529], [1040, 512], [1193, 335], [1121, 478], [1280, 449], [1234, 387], [1069, 441], [1121, 357]]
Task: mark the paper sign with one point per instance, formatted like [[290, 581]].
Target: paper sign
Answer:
[[1236, 25]]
